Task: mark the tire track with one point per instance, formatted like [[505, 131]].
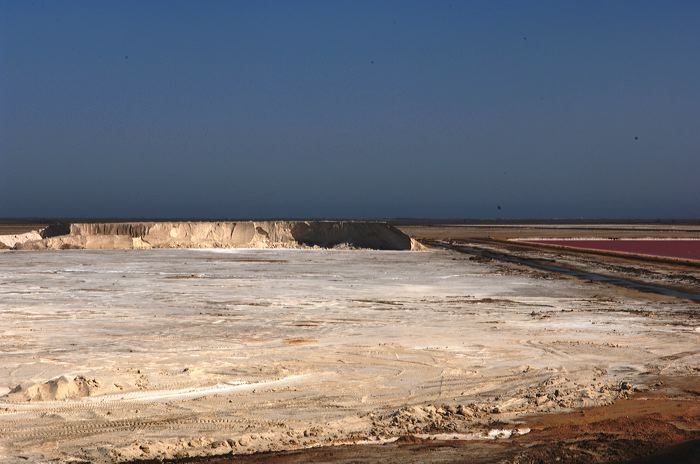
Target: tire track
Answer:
[[77, 429]]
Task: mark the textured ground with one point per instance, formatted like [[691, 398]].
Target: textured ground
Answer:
[[118, 355]]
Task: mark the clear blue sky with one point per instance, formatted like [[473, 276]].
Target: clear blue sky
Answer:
[[353, 109]]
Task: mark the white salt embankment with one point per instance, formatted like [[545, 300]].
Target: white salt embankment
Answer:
[[246, 234]]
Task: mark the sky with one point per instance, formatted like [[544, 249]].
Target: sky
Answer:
[[358, 109]]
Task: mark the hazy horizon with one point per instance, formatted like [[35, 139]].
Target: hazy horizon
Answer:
[[397, 220], [407, 109]]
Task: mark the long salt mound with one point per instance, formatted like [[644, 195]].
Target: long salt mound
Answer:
[[247, 234]]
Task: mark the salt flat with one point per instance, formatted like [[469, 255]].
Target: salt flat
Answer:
[[116, 355]]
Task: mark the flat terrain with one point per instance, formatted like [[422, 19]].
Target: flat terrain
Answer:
[[516, 241], [112, 356], [674, 248], [510, 231]]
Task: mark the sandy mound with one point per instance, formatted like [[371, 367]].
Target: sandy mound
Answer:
[[60, 388], [248, 234]]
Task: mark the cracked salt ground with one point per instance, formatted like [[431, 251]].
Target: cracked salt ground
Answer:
[[312, 348]]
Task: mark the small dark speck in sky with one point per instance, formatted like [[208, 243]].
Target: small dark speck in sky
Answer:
[[371, 62], [524, 38], [636, 138], [126, 57], [498, 207]]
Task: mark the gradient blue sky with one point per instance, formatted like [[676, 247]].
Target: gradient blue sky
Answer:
[[353, 109]]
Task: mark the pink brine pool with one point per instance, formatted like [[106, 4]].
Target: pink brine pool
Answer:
[[682, 249]]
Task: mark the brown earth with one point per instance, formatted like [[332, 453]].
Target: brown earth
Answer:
[[629, 429], [650, 427]]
